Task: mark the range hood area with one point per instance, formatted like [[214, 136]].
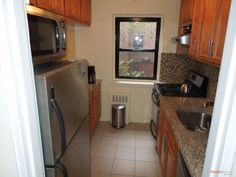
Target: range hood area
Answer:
[[184, 35], [184, 39]]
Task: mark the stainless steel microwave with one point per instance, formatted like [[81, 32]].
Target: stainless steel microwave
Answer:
[[47, 35]]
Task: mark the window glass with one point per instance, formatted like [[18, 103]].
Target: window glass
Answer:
[[137, 43]]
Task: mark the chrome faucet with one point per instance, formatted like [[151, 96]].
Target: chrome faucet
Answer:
[[209, 103]]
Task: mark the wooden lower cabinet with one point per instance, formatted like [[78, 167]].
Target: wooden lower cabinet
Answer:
[[94, 106], [167, 147], [171, 163]]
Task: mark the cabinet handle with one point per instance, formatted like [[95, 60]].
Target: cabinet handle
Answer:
[[212, 47], [195, 46], [209, 47]]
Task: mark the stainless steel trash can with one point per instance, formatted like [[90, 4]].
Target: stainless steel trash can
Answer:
[[118, 115]]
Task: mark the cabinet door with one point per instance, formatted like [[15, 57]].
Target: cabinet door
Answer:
[[221, 31], [160, 131], [210, 18], [186, 11], [95, 113], [91, 114], [99, 105], [85, 11], [32, 2], [164, 154], [171, 163], [196, 28], [159, 136], [46, 4], [59, 6], [72, 9], [164, 148]]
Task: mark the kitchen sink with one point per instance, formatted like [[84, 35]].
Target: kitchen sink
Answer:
[[194, 120]]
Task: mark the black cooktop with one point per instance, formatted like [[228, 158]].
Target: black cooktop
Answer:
[[197, 83], [174, 90]]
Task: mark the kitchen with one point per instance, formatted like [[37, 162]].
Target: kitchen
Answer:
[[101, 55]]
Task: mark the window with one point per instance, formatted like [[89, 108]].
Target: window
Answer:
[[136, 47]]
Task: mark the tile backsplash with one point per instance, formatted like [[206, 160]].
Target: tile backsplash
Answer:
[[212, 73], [174, 69]]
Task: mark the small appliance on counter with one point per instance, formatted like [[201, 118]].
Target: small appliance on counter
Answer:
[[195, 85], [91, 74]]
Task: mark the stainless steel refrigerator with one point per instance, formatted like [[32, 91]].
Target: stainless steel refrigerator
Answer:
[[62, 96]]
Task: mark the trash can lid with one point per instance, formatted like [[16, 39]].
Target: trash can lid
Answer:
[[118, 106]]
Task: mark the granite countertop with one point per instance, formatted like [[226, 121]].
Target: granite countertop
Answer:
[[192, 144]]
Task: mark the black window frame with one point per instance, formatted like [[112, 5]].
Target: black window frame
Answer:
[[118, 20]]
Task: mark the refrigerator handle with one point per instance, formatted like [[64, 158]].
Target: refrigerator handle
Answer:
[[60, 121], [59, 166], [62, 168]]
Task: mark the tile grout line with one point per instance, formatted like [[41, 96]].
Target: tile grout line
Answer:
[[117, 146]]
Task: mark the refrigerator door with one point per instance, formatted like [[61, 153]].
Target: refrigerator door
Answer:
[[76, 161], [77, 158], [63, 105], [57, 170]]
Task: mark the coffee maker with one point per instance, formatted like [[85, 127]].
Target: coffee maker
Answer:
[[91, 74]]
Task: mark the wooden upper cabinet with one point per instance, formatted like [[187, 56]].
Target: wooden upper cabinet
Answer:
[[85, 16], [72, 9], [196, 28], [56, 6], [209, 20], [46, 4], [185, 19], [59, 6], [208, 30], [77, 11], [32, 2], [186, 11], [221, 27]]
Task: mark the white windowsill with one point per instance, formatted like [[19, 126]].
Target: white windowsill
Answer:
[[138, 83]]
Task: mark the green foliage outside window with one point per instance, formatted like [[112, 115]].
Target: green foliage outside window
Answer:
[[124, 69]]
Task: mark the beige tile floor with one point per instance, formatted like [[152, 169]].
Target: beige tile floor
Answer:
[[126, 152]]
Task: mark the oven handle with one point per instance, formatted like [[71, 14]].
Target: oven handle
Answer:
[[154, 99]]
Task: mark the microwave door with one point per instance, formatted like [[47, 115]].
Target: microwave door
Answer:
[[44, 36]]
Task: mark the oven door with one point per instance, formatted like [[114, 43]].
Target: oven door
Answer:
[[155, 113]]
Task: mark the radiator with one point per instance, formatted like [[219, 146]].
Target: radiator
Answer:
[[121, 98]]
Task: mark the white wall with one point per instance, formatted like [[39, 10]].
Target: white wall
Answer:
[[97, 45], [21, 152]]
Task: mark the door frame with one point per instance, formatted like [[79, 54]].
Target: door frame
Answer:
[[221, 149], [19, 105], [21, 148]]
